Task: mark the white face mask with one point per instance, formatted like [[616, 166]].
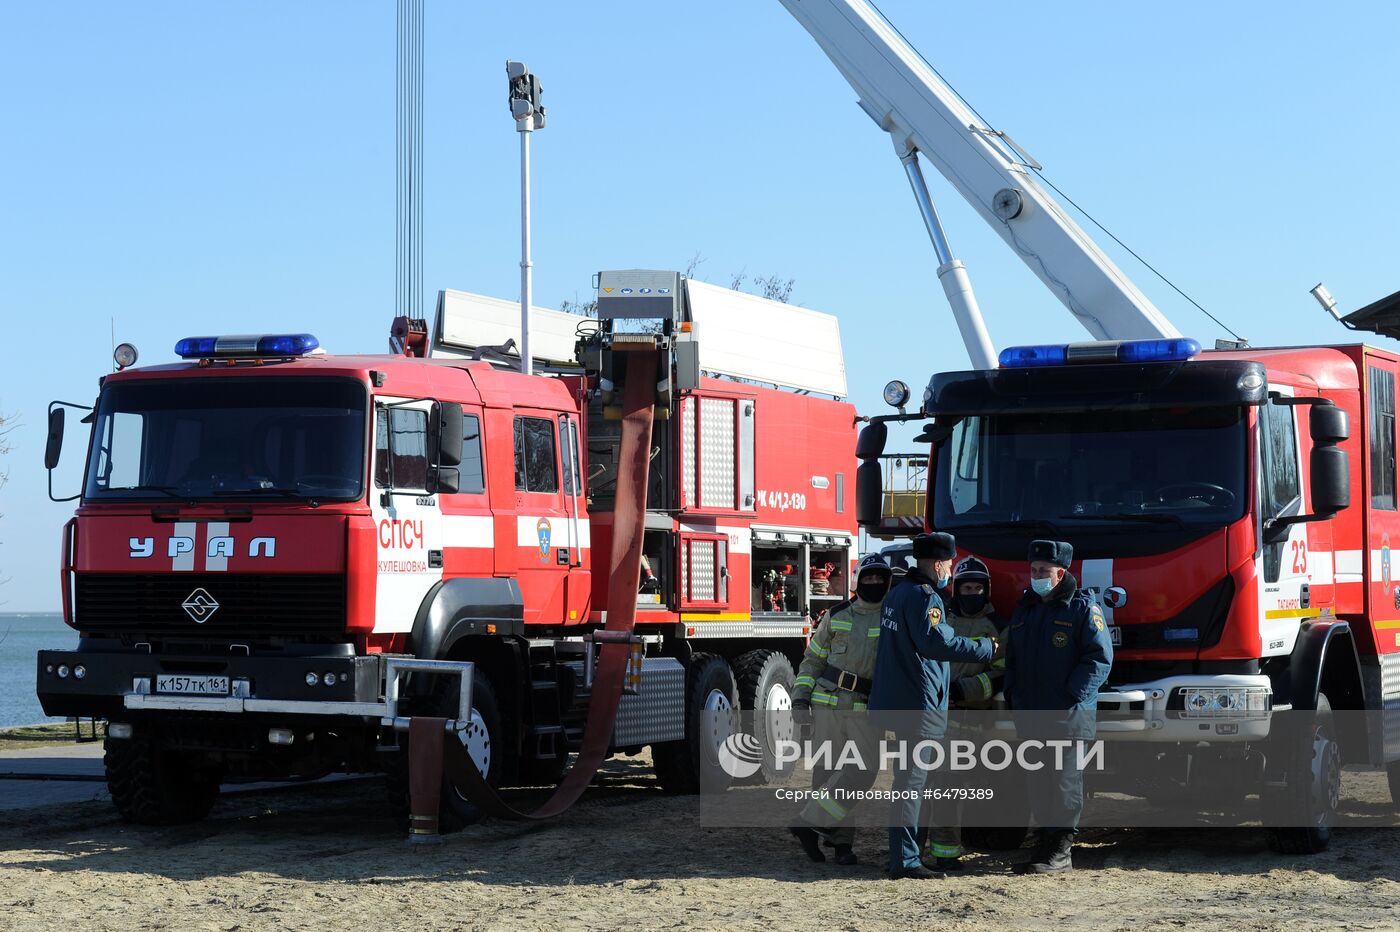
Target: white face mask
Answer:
[[1042, 586]]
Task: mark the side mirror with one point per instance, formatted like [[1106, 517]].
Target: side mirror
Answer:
[[1328, 424], [870, 494], [54, 448], [448, 428], [871, 442], [1331, 478], [446, 479]]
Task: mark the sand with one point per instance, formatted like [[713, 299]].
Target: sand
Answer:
[[328, 858]]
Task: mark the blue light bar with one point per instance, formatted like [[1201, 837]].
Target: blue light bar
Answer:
[[1026, 357], [1171, 349], [1180, 634], [1167, 349], [284, 344], [194, 347]]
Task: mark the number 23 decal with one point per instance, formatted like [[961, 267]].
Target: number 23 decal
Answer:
[[1300, 556]]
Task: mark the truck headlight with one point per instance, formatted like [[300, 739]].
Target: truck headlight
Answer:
[[1224, 701]]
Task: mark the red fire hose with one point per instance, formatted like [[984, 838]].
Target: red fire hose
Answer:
[[430, 756]]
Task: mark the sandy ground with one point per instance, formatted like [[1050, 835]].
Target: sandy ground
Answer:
[[326, 858]]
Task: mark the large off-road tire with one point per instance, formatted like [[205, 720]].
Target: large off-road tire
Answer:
[[482, 737], [1314, 787], [711, 703], [151, 785], [765, 681]]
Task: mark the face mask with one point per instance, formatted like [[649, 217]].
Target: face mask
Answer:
[[942, 582], [971, 604], [871, 592], [1042, 586]]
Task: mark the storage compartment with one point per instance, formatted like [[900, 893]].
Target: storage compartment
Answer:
[[657, 582], [827, 573], [777, 585]]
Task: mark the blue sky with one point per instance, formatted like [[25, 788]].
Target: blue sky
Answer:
[[194, 168]]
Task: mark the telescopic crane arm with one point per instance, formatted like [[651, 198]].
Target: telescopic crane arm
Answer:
[[922, 114]]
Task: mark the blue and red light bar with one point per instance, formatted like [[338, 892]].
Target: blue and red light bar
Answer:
[[248, 345], [1167, 349]]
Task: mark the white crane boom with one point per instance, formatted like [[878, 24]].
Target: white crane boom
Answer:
[[904, 96]]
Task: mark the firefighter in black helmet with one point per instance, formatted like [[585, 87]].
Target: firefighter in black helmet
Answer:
[[832, 690]]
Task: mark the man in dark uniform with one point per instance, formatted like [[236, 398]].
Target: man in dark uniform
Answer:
[[1058, 653], [911, 683]]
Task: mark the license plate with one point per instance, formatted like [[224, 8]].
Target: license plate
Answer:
[[193, 685], [1115, 634]]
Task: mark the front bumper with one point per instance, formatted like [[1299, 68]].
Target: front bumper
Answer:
[[117, 681], [1140, 712]]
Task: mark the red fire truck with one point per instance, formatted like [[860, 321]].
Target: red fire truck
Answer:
[[270, 542], [1234, 509]]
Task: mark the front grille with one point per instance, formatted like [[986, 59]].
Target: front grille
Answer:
[[248, 604]]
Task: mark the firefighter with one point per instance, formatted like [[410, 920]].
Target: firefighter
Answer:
[[973, 686], [834, 683], [912, 682], [1058, 654]]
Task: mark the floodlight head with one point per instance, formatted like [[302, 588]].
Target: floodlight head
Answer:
[[1324, 297], [516, 69]]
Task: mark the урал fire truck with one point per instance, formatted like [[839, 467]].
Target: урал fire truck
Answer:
[[271, 540]]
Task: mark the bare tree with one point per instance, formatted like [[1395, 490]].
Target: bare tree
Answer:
[[774, 288], [695, 262], [581, 308]]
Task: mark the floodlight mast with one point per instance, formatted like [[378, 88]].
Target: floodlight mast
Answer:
[[525, 107]]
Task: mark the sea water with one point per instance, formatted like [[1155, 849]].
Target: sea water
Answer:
[[21, 637]]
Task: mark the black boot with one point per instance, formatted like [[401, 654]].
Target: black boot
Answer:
[[845, 856], [810, 842], [1058, 860], [947, 864], [1041, 853]]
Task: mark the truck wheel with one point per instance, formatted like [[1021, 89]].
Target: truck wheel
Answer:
[[710, 703], [765, 681], [152, 785], [1316, 791], [482, 737], [993, 838]]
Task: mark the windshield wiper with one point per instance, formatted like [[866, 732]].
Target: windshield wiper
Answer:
[[1020, 522], [1146, 517], [171, 490], [256, 490]]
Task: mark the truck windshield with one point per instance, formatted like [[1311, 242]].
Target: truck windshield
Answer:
[[1168, 467], [229, 438]]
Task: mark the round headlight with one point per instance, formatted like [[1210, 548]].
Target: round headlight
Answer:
[[79, 671], [63, 672], [124, 355], [312, 679], [896, 394], [329, 679]]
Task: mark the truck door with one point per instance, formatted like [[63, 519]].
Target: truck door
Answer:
[[408, 524], [542, 521], [578, 582], [1284, 597], [1382, 518]]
